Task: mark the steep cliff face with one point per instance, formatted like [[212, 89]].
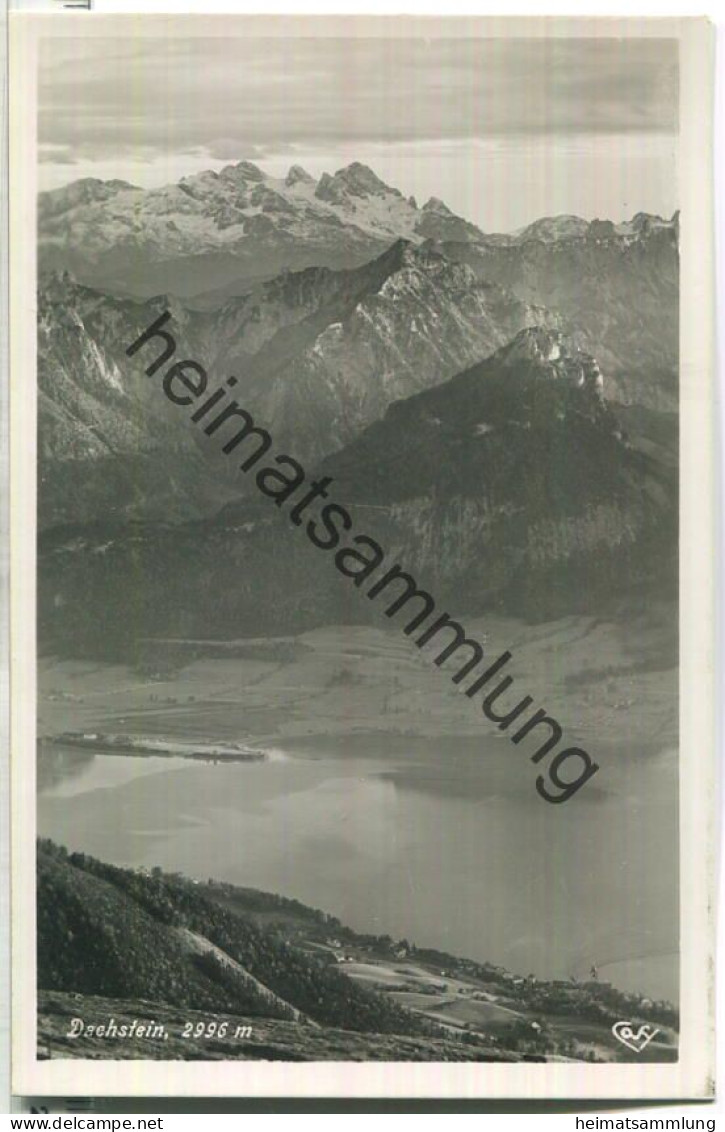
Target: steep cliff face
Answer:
[[515, 479], [318, 355], [512, 486], [109, 446], [617, 286], [412, 327]]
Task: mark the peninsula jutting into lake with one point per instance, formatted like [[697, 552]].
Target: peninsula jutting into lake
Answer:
[[147, 745]]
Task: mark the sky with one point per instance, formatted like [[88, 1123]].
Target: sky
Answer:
[[503, 130]]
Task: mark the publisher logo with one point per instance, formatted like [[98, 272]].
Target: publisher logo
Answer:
[[634, 1039]]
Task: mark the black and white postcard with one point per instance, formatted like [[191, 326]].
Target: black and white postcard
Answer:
[[361, 556]]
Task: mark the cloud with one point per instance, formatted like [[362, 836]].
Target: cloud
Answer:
[[231, 98], [57, 154]]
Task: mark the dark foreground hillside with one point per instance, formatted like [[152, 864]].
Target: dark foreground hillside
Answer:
[[172, 968], [109, 931]]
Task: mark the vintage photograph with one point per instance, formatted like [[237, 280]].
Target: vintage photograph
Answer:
[[358, 546]]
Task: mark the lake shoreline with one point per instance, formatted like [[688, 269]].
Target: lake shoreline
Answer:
[[416, 826], [146, 747]]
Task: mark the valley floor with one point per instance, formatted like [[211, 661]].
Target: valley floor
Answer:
[[607, 681]]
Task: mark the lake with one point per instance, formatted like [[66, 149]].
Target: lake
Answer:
[[443, 841]]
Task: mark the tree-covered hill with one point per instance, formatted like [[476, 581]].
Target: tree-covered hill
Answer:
[[115, 932]]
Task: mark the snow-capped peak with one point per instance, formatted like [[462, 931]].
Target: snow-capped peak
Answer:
[[297, 175], [435, 204], [356, 180], [551, 228], [360, 179], [243, 171]]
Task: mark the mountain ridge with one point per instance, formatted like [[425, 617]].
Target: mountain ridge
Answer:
[[244, 224], [318, 355], [512, 486]]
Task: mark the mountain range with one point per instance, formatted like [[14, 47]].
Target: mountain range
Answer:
[[220, 232], [500, 409], [619, 289], [513, 486], [236, 226], [318, 355]]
